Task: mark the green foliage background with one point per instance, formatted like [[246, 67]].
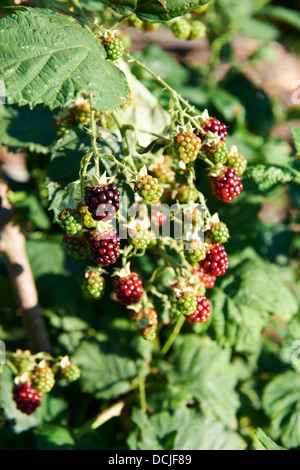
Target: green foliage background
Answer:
[[228, 384]]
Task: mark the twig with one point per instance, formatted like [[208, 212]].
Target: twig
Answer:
[[12, 244]]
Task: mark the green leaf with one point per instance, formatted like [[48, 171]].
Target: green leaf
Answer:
[[154, 10], [52, 437], [68, 152], [104, 372], [203, 369], [286, 15], [266, 441], [244, 302], [22, 127], [266, 176], [281, 404], [182, 430], [257, 29], [295, 131], [47, 58]]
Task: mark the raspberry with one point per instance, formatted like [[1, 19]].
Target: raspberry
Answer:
[[202, 311], [198, 30], [128, 289], [216, 261], [186, 304], [216, 127], [237, 162], [70, 221], [114, 48], [105, 248], [93, 284], [42, 379], [146, 322], [149, 189], [207, 279], [103, 201], [221, 154], [71, 372], [227, 186], [195, 251], [141, 239], [187, 146], [26, 398], [219, 233], [181, 28], [87, 219], [76, 247]]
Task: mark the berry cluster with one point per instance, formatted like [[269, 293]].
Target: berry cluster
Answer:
[[187, 145], [34, 379]]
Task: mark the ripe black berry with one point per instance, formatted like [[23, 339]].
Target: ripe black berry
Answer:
[[26, 398], [216, 261], [103, 201], [128, 289], [227, 186], [105, 248]]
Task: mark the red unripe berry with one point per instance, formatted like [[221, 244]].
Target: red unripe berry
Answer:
[[216, 261], [128, 289], [202, 311], [216, 127], [26, 398], [226, 186]]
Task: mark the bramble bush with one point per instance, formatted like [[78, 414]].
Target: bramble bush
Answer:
[[149, 228]]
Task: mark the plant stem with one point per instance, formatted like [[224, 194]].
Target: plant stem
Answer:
[[94, 137], [163, 84], [112, 412], [142, 391], [173, 336]]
